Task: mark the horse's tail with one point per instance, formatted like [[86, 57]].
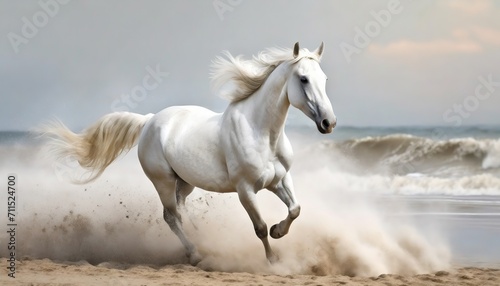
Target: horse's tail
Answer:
[[100, 144]]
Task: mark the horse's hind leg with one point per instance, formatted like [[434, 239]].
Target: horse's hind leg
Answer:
[[182, 190], [167, 191]]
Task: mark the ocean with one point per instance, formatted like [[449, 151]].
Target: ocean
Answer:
[[439, 185]]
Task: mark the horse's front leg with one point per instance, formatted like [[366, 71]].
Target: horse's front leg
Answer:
[[247, 196], [284, 190]]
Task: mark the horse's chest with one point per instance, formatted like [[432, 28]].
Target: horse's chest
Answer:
[[266, 168], [253, 157], [261, 167], [273, 173]]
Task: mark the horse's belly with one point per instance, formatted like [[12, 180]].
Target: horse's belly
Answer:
[[205, 172]]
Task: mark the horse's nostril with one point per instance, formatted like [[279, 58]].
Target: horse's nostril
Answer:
[[325, 124]]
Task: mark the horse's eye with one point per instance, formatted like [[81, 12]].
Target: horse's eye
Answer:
[[304, 79]]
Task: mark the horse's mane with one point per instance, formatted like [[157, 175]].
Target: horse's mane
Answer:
[[240, 78]]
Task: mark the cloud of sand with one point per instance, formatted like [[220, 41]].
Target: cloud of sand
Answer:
[[118, 218], [336, 233]]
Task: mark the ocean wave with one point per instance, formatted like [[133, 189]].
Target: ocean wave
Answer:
[[484, 184], [401, 154], [476, 185]]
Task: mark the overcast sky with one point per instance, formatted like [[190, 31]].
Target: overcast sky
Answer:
[[389, 62]]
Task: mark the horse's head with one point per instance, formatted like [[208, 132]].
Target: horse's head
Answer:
[[306, 88]]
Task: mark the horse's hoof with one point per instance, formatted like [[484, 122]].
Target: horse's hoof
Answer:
[[273, 258], [274, 232], [194, 258]]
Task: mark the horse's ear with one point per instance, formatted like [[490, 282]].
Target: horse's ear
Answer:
[[296, 50], [319, 50]]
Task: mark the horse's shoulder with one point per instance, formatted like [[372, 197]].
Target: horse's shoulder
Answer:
[[284, 152]]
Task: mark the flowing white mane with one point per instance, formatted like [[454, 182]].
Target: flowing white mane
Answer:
[[240, 78]]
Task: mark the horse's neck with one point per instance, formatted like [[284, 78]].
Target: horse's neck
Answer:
[[268, 107]]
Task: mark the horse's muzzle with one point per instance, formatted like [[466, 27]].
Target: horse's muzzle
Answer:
[[326, 126]]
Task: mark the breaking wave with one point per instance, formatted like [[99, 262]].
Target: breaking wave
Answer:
[[401, 154]]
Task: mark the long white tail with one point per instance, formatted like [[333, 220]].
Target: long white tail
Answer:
[[100, 144]]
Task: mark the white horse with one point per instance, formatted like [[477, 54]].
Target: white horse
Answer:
[[242, 150]]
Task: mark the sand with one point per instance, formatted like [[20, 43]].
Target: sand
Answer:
[[47, 272]]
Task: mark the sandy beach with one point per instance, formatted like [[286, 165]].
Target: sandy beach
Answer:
[[47, 272]]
